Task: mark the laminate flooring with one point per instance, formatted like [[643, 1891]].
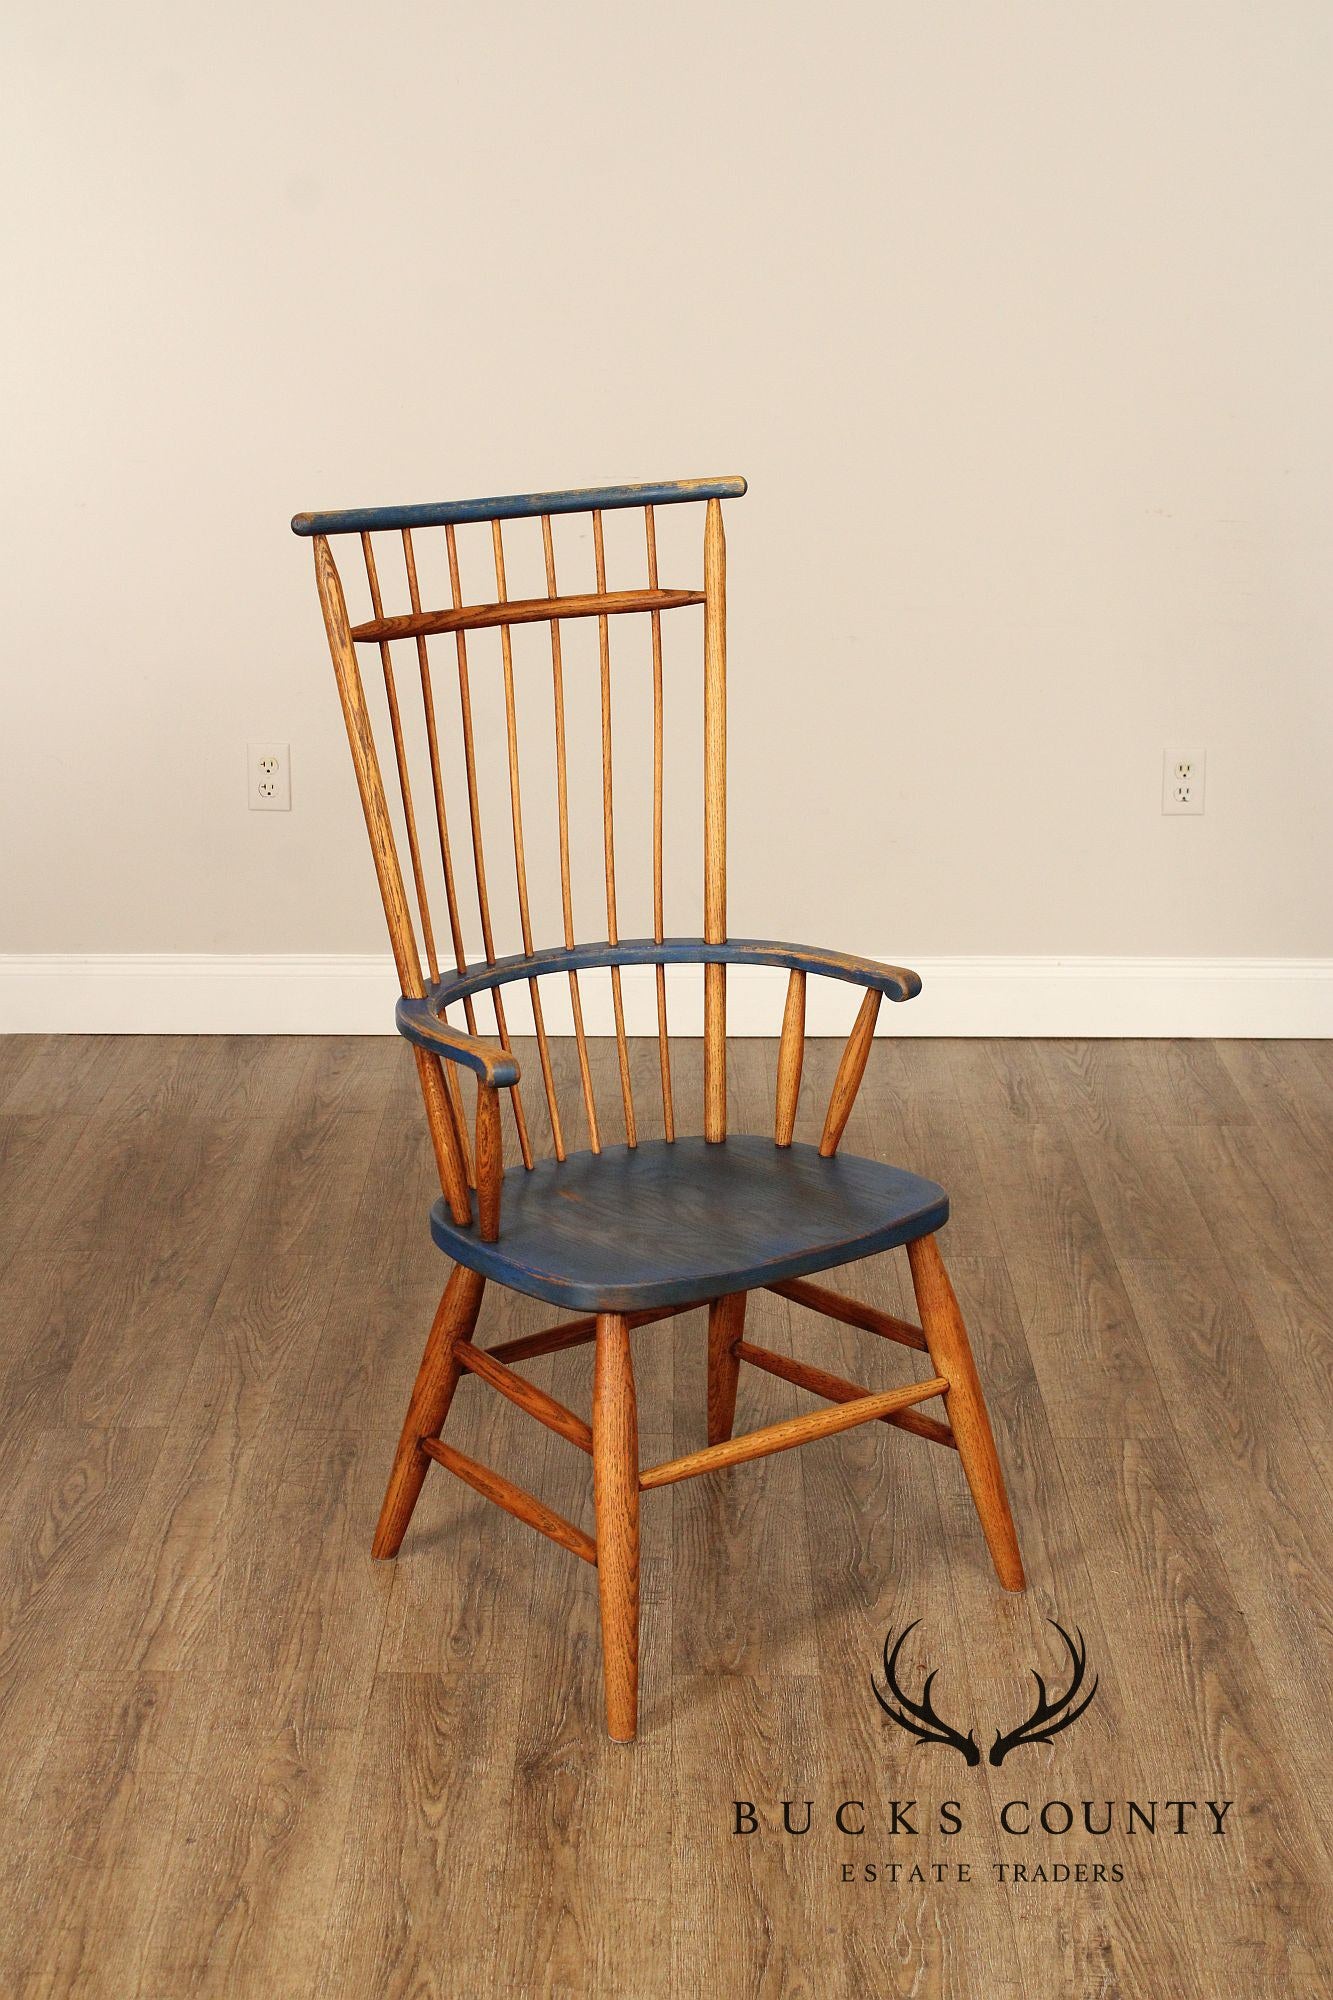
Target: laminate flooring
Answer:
[[238, 1758]]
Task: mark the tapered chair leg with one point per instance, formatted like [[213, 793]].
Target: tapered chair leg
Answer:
[[615, 1483], [726, 1324], [965, 1406], [432, 1393]]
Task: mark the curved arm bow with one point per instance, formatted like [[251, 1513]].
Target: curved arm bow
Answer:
[[895, 982], [495, 1066]]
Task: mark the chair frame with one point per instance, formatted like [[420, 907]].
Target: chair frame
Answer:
[[472, 1176]]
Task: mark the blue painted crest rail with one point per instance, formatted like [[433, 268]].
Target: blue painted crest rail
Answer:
[[516, 506]]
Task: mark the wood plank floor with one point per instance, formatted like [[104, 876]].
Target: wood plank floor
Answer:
[[237, 1758]]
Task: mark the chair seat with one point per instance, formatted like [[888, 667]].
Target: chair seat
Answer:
[[664, 1224]]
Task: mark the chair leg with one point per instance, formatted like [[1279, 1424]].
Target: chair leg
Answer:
[[432, 1393], [965, 1406], [615, 1482], [726, 1324]]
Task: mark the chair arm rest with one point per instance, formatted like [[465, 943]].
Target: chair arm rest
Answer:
[[895, 982], [494, 1065]]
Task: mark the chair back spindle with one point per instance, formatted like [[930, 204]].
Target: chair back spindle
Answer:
[[562, 814], [715, 822], [520, 863], [446, 847], [474, 818], [659, 917], [609, 832], [400, 759], [388, 874]]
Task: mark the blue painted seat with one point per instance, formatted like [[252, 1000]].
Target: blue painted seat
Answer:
[[660, 1224]]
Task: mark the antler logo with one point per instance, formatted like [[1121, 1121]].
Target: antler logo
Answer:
[[1049, 1717], [920, 1719]]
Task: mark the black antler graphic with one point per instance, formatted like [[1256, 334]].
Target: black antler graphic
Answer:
[[927, 1726], [1049, 1717]]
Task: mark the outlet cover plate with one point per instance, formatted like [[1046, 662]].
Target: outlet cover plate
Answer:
[[269, 777], [1183, 776]]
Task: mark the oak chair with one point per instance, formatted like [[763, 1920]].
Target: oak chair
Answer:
[[622, 1234]]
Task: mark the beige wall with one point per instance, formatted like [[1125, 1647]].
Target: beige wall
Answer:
[[1015, 316]]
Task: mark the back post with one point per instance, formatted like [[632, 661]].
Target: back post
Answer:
[[388, 872], [715, 821]]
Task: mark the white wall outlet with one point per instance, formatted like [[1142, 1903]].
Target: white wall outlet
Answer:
[[269, 777], [1183, 773]]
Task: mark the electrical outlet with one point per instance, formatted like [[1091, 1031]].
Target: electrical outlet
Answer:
[[1183, 773], [269, 777]]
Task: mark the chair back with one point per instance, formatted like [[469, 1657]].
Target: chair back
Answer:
[[438, 899]]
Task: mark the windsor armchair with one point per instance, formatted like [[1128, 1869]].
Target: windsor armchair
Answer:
[[629, 1233]]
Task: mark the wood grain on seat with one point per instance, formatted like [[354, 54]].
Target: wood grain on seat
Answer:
[[656, 1224]]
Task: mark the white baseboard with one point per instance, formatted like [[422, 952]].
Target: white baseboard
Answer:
[[276, 993]]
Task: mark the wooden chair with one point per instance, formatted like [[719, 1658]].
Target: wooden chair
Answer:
[[623, 1234]]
